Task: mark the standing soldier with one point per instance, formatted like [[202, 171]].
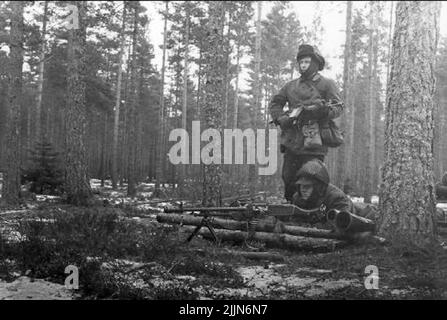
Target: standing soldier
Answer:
[[313, 102]]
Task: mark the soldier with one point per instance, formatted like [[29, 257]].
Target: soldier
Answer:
[[314, 190], [314, 100]]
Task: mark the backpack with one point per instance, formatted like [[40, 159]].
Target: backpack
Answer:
[[331, 135]]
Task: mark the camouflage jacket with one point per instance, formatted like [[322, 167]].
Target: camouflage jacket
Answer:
[[305, 92]]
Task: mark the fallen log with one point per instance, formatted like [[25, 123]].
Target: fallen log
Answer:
[[263, 226], [278, 240]]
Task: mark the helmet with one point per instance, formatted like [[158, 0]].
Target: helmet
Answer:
[[314, 169], [310, 51]]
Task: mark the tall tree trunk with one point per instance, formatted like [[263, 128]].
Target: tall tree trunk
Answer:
[[104, 150], [371, 104], [182, 177], [227, 70], [77, 184], [390, 40], [440, 126], [131, 111], [11, 179], [214, 71], [236, 88], [118, 102], [29, 117], [124, 144], [252, 181], [159, 169], [139, 126], [41, 73], [407, 200], [344, 159], [376, 127], [199, 81]]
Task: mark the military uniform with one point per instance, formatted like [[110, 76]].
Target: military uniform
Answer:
[[313, 90], [326, 193]]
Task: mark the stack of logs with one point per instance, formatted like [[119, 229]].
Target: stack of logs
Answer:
[[348, 228]]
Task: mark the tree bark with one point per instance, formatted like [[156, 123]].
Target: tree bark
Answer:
[[252, 181], [103, 156], [236, 88], [407, 197], [182, 177], [371, 104], [159, 170], [214, 70], [227, 71], [124, 138], [199, 82], [41, 73], [11, 179], [132, 114], [344, 152], [77, 184], [118, 103]]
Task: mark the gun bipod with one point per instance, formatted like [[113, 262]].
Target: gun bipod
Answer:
[[206, 222]]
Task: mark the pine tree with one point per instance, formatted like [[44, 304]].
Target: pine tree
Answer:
[[41, 71], [118, 101], [132, 111], [214, 70], [344, 151], [407, 199], [77, 184], [372, 63], [440, 144], [11, 178], [159, 169]]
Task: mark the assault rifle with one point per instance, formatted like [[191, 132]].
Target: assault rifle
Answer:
[[296, 110], [252, 213]]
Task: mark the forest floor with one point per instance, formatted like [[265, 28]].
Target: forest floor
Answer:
[[122, 252]]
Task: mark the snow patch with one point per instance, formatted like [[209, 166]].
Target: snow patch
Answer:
[[321, 287], [25, 288]]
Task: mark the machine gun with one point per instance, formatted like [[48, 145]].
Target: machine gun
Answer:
[[251, 213]]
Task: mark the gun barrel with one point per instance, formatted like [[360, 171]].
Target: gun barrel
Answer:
[[351, 223]]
